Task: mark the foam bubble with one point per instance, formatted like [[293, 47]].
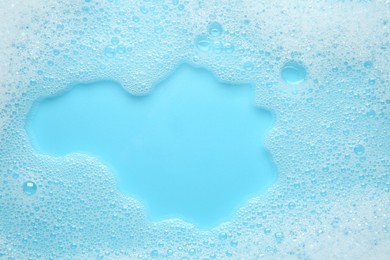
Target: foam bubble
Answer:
[[293, 73], [215, 29], [29, 188]]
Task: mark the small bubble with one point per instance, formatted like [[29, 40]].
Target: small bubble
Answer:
[[222, 236], [158, 29], [368, 64], [154, 253], [293, 73], [144, 9], [114, 40], [29, 188], [291, 205], [215, 29], [109, 52], [121, 49], [203, 42], [229, 48], [371, 113], [248, 66], [217, 47], [359, 149], [279, 237], [181, 7], [233, 243]]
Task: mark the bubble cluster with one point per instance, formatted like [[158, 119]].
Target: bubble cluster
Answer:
[[321, 66], [212, 40]]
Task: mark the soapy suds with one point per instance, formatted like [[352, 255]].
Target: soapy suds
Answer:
[[329, 141]]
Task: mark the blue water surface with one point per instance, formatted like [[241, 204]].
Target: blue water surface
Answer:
[[191, 149]]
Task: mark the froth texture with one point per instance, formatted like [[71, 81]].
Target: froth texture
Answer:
[[330, 141]]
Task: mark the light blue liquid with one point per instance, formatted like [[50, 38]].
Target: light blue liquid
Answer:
[[191, 149]]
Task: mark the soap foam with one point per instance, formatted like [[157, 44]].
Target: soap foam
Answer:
[[329, 201]]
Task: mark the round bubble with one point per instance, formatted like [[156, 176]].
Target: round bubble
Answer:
[[248, 66], [29, 188], [215, 29], [279, 237], [359, 149], [293, 73], [229, 47], [203, 42]]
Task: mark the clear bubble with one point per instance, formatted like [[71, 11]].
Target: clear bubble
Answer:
[[368, 64], [293, 73], [158, 29], [229, 47], [248, 66], [371, 114], [222, 236], [114, 40], [29, 188], [154, 253], [359, 149], [109, 52], [181, 7], [279, 237], [291, 205], [203, 42], [215, 29], [192, 251], [233, 243], [217, 47]]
